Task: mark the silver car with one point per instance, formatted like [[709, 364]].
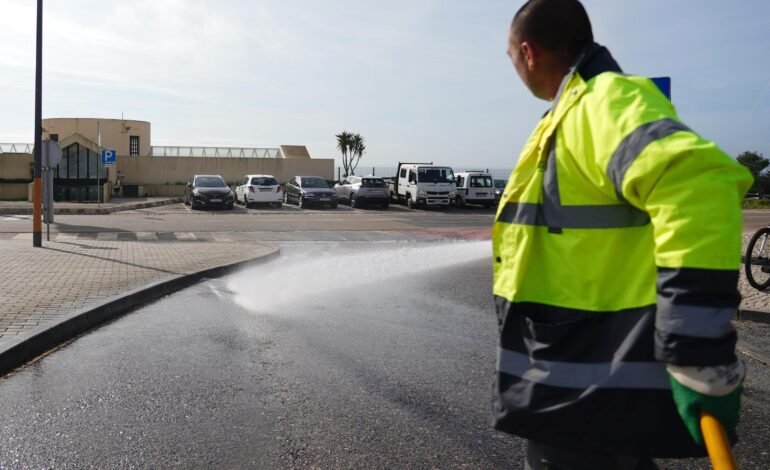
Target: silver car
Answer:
[[363, 190]]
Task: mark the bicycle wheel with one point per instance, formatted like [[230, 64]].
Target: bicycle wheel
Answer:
[[757, 261]]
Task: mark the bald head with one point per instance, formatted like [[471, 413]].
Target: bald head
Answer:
[[559, 27]]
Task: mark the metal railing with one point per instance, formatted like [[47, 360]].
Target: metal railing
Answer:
[[16, 148], [223, 152]]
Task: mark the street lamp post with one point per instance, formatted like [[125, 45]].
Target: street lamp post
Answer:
[[37, 197]]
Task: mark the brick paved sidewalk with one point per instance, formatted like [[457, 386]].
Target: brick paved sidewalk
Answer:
[[40, 285]]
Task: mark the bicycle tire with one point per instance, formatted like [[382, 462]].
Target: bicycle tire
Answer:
[[753, 264]]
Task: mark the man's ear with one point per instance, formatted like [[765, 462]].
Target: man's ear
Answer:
[[529, 54]]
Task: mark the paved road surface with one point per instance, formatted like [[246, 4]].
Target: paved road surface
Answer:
[[303, 362]]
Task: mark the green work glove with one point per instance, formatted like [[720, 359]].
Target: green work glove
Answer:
[[716, 390]]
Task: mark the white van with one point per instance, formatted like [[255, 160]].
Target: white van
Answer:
[[474, 187]]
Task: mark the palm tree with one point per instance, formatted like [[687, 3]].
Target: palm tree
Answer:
[[357, 148], [345, 145]]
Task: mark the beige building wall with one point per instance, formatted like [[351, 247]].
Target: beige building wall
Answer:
[[166, 176], [115, 133], [16, 166]]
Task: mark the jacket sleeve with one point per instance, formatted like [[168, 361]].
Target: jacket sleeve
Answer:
[[692, 192]]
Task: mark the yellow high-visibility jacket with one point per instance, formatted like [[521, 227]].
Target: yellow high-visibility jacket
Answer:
[[616, 247]]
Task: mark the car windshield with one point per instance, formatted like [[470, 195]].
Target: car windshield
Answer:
[[500, 184], [435, 175], [314, 183], [264, 181], [373, 183], [481, 182], [210, 182]]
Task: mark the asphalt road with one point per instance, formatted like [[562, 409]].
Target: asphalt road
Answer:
[[332, 356], [180, 218]]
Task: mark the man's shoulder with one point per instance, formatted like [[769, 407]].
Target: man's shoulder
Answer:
[[617, 93]]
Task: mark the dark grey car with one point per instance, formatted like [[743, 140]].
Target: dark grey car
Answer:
[[309, 191], [205, 191]]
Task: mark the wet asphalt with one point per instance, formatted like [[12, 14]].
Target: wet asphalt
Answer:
[[355, 374]]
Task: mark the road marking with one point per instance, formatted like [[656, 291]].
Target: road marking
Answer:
[[66, 236], [16, 218], [23, 236], [221, 237]]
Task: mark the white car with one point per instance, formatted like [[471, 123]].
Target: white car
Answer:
[[253, 189]]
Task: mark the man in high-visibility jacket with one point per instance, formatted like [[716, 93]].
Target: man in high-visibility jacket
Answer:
[[616, 247]]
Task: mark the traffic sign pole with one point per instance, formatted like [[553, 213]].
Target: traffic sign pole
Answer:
[[37, 235]]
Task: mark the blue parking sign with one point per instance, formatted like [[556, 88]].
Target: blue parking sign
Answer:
[[108, 157], [664, 83]]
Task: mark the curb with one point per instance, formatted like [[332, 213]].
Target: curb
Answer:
[[753, 315], [753, 352], [18, 352], [90, 210]]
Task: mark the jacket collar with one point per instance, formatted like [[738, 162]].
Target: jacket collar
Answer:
[[593, 60]]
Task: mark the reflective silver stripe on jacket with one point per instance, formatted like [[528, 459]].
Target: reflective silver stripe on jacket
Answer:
[[634, 375], [688, 320], [633, 144], [553, 214]]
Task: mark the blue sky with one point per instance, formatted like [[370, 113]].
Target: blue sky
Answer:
[[424, 80]]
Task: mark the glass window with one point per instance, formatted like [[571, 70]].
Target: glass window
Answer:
[[373, 183], [63, 163], [500, 184], [82, 162], [54, 137], [481, 181], [209, 182], [133, 145], [91, 164], [314, 183], [435, 175], [264, 181]]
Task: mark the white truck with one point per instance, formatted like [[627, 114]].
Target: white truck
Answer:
[[423, 185], [474, 187]]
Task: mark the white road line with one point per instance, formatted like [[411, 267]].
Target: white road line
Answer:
[[23, 236], [66, 236]]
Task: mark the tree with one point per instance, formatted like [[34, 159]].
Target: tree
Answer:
[[344, 144], [756, 163], [352, 147], [356, 151]]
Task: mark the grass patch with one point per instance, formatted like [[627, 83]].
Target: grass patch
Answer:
[[756, 204]]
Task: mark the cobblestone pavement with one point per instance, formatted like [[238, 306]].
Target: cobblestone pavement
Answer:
[[40, 285]]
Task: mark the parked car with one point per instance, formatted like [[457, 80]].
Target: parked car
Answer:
[[309, 191], [254, 189], [499, 188], [363, 190], [204, 191]]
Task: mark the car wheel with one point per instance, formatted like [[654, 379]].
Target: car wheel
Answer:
[[299, 201], [409, 202], [334, 205], [353, 200], [193, 205], [230, 206], [385, 205], [278, 205], [459, 202]]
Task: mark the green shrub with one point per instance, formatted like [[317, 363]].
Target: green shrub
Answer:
[[756, 204]]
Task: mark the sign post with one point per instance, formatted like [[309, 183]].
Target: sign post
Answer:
[[51, 155]]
